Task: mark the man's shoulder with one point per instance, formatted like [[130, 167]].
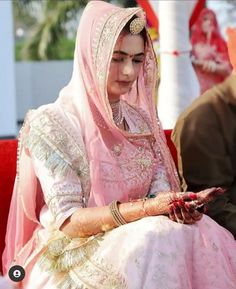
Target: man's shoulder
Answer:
[[201, 106], [205, 104]]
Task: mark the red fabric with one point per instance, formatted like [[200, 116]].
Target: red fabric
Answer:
[[212, 49], [151, 16], [153, 19], [198, 36], [171, 145], [8, 150], [198, 8]]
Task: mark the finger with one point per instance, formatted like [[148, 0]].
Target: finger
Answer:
[[193, 213], [177, 214], [209, 195], [196, 215], [186, 215], [188, 196], [171, 214], [195, 206], [184, 210]]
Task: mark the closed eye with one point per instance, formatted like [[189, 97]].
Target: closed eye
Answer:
[[138, 60], [117, 59]]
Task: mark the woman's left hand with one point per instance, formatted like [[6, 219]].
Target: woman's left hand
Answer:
[[185, 209], [184, 213], [209, 66]]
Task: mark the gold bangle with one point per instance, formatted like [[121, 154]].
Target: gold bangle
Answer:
[[117, 217], [143, 207]]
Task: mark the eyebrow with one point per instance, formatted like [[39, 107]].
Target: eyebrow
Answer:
[[124, 53]]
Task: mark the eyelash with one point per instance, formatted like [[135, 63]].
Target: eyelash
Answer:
[[122, 59]]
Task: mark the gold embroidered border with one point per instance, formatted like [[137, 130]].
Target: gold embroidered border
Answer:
[[108, 30], [75, 260], [49, 140]]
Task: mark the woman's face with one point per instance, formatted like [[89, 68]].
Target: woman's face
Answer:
[[127, 60], [208, 23]]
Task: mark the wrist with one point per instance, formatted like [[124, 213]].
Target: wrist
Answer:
[[149, 207]]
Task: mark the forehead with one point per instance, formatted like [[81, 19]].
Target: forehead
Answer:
[[208, 16], [131, 44]]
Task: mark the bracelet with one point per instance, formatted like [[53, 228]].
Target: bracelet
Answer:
[[143, 207], [117, 217]]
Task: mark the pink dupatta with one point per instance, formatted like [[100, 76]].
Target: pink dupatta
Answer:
[[85, 101]]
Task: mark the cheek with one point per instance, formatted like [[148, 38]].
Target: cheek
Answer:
[[112, 77], [113, 72]]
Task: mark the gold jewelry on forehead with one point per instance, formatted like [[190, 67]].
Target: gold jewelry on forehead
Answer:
[[137, 25]]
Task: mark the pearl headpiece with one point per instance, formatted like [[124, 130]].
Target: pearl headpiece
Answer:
[[137, 25]]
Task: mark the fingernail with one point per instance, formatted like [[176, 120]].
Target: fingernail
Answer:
[[174, 205], [181, 202], [187, 205], [220, 190], [193, 196]]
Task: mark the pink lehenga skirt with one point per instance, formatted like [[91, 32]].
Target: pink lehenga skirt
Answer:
[[152, 253]]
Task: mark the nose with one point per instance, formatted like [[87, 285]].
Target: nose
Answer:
[[128, 68]]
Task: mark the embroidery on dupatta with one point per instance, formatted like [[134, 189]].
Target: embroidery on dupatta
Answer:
[[136, 165], [149, 70], [108, 28], [139, 117], [50, 141], [75, 261], [161, 146], [159, 181]]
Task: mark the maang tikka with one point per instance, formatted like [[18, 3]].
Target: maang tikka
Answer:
[[137, 25]]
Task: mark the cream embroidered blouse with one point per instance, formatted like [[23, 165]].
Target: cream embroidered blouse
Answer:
[[64, 193]]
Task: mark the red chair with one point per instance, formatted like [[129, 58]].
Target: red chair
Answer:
[[8, 152]]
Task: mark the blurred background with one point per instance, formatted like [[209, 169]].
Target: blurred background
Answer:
[[37, 45]]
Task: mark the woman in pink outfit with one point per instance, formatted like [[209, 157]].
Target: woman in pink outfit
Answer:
[[209, 54], [96, 201]]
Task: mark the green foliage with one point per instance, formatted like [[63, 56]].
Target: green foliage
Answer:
[[63, 50], [18, 49], [49, 37]]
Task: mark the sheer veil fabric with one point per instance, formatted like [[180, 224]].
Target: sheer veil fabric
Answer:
[[78, 153], [84, 105]]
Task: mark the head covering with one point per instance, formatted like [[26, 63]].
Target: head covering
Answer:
[[197, 35], [85, 101], [231, 33], [86, 96]]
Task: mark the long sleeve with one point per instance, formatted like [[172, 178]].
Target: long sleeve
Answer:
[[60, 164], [63, 195]]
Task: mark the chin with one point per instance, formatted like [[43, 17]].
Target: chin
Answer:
[[116, 94], [124, 91]]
